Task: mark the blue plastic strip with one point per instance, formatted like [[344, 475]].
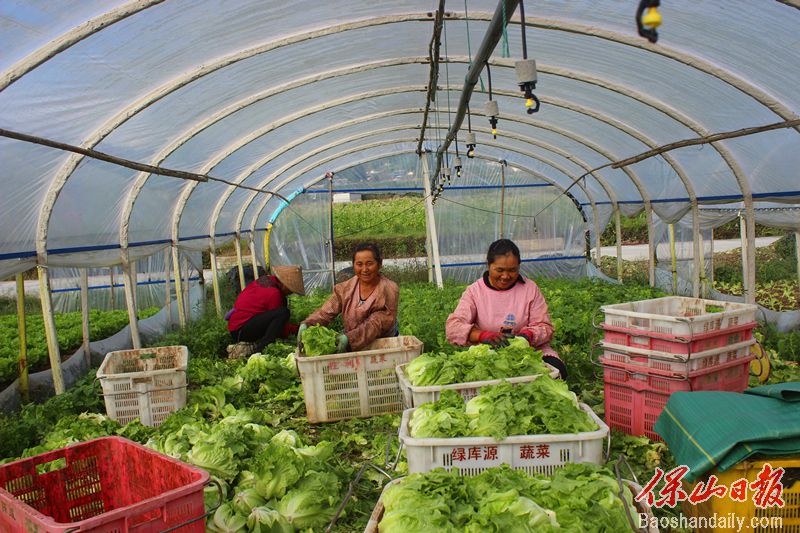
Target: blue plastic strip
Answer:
[[56, 251], [285, 204], [116, 285], [148, 243], [730, 197], [450, 187], [17, 255], [380, 189], [537, 259]]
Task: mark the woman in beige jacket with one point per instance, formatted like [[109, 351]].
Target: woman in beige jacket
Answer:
[[367, 303]]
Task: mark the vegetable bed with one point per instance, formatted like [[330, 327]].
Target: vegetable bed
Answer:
[[242, 416]]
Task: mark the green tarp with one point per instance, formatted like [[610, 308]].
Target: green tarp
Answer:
[[706, 430]]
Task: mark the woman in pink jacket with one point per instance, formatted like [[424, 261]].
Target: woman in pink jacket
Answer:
[[503, 303]]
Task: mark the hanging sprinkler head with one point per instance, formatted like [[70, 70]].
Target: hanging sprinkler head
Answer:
[[526, 79], [457, 166], [471, 144], [492, 111], [648, 19]]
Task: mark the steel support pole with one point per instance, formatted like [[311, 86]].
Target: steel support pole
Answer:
[[214, 282], [50, 329], [23, 341], [87, 354], [430, 222], [330, 228], [129, 282], [237, 244], [176, 266], [502, 197], [671, 229], [618, 225]]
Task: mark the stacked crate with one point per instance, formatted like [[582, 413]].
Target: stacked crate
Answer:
[[652, 348]]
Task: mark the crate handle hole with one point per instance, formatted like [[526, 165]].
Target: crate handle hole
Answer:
[[51, 466], [149, 516]]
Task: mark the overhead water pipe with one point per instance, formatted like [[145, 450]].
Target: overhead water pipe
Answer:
[[490, 40]]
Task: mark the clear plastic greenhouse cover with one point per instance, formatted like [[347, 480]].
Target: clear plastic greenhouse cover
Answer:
[[272, 95]]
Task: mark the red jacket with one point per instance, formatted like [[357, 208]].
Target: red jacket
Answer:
[[258, 297]]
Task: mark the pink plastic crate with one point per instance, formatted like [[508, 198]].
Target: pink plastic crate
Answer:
[[680, 363], [635, 397], [666, 343], [105, 485]]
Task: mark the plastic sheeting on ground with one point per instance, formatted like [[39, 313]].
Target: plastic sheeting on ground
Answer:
[[73, 369]]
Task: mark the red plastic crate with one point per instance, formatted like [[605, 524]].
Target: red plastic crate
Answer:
[[635, 396], [666, 343], [105, 485]]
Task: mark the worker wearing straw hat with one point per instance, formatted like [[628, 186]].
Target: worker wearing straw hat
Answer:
[[261, 312]]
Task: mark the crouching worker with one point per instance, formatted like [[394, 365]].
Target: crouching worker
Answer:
[[367, 303], [503, 303], [261, 311]]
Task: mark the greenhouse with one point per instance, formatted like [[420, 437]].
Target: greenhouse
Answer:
[[281, 254]]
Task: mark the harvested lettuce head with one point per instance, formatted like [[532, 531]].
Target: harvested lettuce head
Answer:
[[319, 340]]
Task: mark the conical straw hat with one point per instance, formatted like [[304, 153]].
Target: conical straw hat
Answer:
[[291, 276]]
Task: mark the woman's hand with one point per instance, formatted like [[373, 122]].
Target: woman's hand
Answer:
[[534, 335], [341, 343], [300, 331], [493, 338]]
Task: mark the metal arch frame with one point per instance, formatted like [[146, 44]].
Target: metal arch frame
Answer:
[[706, 67], [362, 68], [505, 63], [545, 24], [275, 175], [74, 36], [207, 122], [580, 77], [286, 120], [514, 164], [624, 128], [741, 85], [297, 142], [343, 153], [212, 225], [253, 167]]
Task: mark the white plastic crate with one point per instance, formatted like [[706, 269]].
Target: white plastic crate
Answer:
[[136, 385], [416, 396], [679, 315], [672, 362], [642, 508], [535, 454], [356, 384]]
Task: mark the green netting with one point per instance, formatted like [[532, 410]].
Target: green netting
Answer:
[[706, 430]]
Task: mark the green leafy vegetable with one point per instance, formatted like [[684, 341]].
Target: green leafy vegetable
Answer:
[[578, 497], [478, 363], [542, 406], [319, 340]]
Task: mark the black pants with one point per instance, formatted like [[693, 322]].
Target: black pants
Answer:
[[262, 329]]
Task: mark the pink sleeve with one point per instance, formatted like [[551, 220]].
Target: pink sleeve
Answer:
[[462, 320], [539, 326]]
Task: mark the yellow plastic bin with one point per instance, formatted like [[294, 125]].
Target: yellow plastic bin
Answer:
[[756, 520]]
